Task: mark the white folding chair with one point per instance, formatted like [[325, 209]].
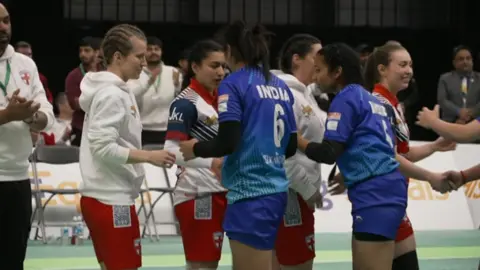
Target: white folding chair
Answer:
[[54, 154], [168, 190]]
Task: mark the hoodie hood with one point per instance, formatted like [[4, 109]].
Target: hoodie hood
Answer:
[[96, 81], [291, 81]]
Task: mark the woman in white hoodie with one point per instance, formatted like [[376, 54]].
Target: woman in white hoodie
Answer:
[[295, 246], [110, 155]]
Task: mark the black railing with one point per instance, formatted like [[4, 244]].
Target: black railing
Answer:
[[410, 14]]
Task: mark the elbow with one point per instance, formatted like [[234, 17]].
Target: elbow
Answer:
[[229, 148], [108, 151]]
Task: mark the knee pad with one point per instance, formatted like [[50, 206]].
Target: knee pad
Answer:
[[370, 237], [407, 261]]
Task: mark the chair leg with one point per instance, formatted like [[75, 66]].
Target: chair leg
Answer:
[[152, 217], [146, 225], [41, 220], [169, 185], [152, 208]]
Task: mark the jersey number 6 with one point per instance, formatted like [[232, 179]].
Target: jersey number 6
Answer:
[[278, 125], [387, 137]]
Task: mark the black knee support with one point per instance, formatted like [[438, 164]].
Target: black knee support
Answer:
[[370, 237], [408, 261]]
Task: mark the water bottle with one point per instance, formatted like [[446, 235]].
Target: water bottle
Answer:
[[73, 240], [80, 231], [64, 235]]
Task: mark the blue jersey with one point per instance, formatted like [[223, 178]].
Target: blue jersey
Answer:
[[266, 115], [359, 120]]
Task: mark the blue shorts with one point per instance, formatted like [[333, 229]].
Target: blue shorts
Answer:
[[379, 204], [255, 222]]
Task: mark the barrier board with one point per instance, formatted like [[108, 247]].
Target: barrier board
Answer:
[[427, 209]]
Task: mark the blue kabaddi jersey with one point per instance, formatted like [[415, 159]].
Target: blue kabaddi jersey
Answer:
[[266, 115], [359, 120]]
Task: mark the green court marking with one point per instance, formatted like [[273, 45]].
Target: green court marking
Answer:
[[323, 256]]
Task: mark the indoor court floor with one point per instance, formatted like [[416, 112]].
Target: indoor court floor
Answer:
[[441, 250]]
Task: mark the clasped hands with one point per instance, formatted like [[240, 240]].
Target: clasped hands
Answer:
[[19, 108], [447, 181]]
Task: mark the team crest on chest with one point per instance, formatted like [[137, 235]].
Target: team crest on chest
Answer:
[[307, 111], [212, 120], [133, 111], [26, 77]]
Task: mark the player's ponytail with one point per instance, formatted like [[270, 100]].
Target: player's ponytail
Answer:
[[248, 45], [379, 56]]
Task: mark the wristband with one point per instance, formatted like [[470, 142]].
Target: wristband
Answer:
[[464, 178], [31, 120]]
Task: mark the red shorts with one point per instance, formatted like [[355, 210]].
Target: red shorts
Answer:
[[201, 223], [115, 233], [296, 236], [405, 230]]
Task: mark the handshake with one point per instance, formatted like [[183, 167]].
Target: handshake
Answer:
[[447, 181]]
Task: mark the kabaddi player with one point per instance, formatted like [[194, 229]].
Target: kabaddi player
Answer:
[[295, 246], [389, 71], [199, 197], [257, 131], [456, 132], [110, 155], [360, 138]]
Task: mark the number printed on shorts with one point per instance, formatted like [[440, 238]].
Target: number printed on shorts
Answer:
[[293, 214], [121, 216], [203, 208], [278, 125]]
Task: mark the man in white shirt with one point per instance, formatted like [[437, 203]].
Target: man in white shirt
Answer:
[[23, 107], [62, 126], [154, 91]]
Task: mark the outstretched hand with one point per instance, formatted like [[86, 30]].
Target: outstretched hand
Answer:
[[427, 116]]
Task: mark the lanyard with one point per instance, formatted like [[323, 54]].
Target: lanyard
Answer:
[[157, 81], [4, 85], [82, 69]]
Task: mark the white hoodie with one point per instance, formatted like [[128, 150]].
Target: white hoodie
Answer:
[[15, 139], [154, 100], [304, 174], [111, 128]]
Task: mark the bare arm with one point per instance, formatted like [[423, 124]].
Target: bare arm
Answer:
[[456, 132], [4, 117], [411, 170], [417, 153], [472, 174]]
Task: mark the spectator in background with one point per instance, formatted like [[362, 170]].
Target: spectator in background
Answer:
[[364, 50], [88, 53], [459, 90], [23, 107], [61, 129], [25, 48], [183, 62], [155, 90]]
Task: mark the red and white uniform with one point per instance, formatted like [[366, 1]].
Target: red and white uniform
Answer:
[[110, 186], [402, 134], [296, 237], [199, 198]]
